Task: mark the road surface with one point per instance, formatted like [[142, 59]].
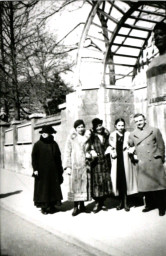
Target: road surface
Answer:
[[21, 238]]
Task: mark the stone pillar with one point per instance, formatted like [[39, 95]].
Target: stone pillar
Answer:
[[106, 103], [34, 117], [14, 123], [3, 126], [118, 103], [81, 104], [156, 81]]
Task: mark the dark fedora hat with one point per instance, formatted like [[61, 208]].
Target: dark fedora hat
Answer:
[[47, 129]]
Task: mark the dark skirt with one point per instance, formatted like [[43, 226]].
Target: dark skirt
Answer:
[[121, 177]]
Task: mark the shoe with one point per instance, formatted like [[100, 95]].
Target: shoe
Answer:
[[97, 208], [82, 207], [127, 208], [75, 211], [52, 210], [161, 212], [44, 211], [147, 209], [58, 203], [120, 206], [104, 208]]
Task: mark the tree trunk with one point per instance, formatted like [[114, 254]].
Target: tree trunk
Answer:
[[14, 64], [4, 80]]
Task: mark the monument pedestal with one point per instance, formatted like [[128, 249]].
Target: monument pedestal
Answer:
[[106, 103], [156, 96]]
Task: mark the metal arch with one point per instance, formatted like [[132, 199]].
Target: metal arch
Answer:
[[117, 28], [133, 6], [93, 12], [82, 40]]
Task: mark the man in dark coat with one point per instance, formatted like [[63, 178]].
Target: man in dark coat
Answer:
[[47, 170], [150, 150]]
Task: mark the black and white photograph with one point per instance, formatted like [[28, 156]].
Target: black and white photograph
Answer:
[[82, 128]]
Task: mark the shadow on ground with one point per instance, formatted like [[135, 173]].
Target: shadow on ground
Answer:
[[110, 203], [66, 206], [10, 194]]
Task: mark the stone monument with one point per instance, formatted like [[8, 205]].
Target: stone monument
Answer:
[[156, 82]]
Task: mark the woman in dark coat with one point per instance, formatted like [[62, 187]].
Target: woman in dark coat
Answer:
[[100, 167], [47, 170]]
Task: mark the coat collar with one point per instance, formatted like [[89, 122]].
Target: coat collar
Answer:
[[73, 135], [143, 134], [114, 138]]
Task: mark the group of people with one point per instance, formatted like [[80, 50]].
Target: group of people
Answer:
[[99, 164]]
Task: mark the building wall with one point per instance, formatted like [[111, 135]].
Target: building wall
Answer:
[[106, 103], [140, 100], [156, 94]]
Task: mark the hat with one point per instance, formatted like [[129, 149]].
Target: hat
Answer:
[[78, 122], [96, 122], [47, 129]]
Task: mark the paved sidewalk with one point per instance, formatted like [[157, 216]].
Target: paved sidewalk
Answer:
[[112, 232]]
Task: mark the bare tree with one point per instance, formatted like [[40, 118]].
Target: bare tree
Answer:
[[28, 56], [15, 17], [45, 60]]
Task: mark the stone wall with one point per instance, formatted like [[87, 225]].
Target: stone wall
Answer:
[[105, 103], [19, 139]]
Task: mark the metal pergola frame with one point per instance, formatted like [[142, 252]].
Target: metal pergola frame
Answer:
[[130, 15]]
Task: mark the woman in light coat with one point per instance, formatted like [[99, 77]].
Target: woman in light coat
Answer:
[[76, 165], [123, 172]]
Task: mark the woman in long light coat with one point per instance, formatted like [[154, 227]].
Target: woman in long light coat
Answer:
[[123, 171], [76, 165]]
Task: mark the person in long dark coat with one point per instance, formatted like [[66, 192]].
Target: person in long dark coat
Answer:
[[47, 170], [100, 166], [150, 150]]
